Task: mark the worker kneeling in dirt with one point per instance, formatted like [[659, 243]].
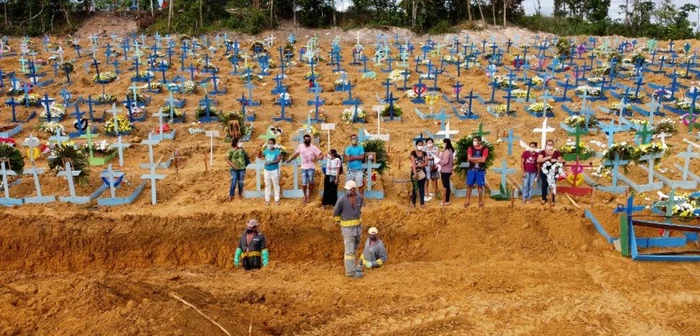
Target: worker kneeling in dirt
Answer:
[[252, 247], [374, 254]]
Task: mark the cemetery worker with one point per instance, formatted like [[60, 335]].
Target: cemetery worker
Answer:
[[528, 164], [347, 211], [309, 155], [374, 255], [272, 155], [546, 158], [419, 160], [238, 160], [477, 154], [252, 247], [354, 155], [431, 170], [445, 163], [334, 168]]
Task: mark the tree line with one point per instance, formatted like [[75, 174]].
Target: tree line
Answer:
[[656, 19]]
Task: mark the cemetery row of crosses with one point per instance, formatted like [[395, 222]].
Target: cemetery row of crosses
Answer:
[[627, 107]]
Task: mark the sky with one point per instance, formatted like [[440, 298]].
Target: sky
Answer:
[[548, 6]]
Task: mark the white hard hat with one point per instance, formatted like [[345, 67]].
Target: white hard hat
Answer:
[[373, 231], [349, 185]]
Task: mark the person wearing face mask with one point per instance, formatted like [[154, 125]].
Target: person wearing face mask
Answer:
[[354, 155], [272, 156], [446, 163], [334, 168], [309, 155], [431, 169], [374, 255], [476, 173], [549, 154], [347, 212], [237, 160], [419, 160], [252, 247], [528, 164]]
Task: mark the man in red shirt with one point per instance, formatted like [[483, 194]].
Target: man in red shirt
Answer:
[[476, 173], [528, 163]]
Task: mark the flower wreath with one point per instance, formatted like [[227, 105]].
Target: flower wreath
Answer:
[[557, 168]]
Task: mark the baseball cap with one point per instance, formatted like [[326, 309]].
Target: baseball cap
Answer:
[[350, 185]]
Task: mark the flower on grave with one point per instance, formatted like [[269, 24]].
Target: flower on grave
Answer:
[[155, 86], [589, 90], [519, 93], [340, 82], [101, 147], [308, 75], [413, 95], [684, 205], [252, 77], [51, 127], [56, 110], [580, 121], [634, 96], [105, 77], [397, 75], [106, 98], [556, 167], [189, 86], [650, 149], [614, 107], [540, 107], [68, 150], [694, 89], [666, 125], [285, 97], [321, 113], [595, 80], [144, 74], [638, 57], [271, 64], [570, 148], [160, 129], [686, 103], [165, 109], [204, 65], [639, 122], [305, 129], [387, 111], [32, 99], [561, 67], [195, 128], [537, 80], [137, 112], [201, 112], [123, 125], [347, 115], [686, 118], [452, 58], [424, 61], [140, 97], [158, 61], [502, 109], [505, 82]]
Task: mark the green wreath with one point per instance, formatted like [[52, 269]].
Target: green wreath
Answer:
[[13, 154]]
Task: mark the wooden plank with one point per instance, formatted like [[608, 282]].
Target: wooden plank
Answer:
[[666, 226]]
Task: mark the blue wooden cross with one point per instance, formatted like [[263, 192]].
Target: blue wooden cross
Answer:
[[282, 117], [390, 100], [509, 140], [504, 171], [316, 103], [249, 85]]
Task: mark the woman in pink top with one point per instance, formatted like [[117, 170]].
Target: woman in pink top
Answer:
[[445, 163]]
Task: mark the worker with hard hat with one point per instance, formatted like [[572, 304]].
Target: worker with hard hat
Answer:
[[252, 247], [347, 211], [374, 255]]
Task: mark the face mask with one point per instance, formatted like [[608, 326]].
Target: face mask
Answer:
[[420, 148], [533, 149], [354, 141], [549, 147], [430, 145], [272, 146], [307, 142]]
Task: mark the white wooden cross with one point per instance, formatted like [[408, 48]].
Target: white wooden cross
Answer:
[[544, 130], [357, 38], [211, 135], [269, 41], [662, 136], [153, 177], [119, 145], [447, 132], [379, 109], [69, 174], [111, 177], [329, 128], [5, 173]]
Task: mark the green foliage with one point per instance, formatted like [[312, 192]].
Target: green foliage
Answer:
[[377, 147], [77, 157], [13, 154], [461, 151], [504, 194], [563, 47], [315, 13]]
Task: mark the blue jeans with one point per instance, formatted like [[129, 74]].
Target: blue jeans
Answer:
[[237, 178], [528, 184], [307, 176]]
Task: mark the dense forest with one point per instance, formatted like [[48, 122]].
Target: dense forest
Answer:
[[656, 19]]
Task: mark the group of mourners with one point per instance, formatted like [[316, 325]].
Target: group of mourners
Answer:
[[429, 164]]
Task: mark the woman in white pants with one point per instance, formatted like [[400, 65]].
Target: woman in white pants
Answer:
[[272, 156]]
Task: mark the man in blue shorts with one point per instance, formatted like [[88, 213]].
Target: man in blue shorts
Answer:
[[476, 173], [354, 155]]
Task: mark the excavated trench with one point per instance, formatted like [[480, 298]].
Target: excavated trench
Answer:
[[107, 241]]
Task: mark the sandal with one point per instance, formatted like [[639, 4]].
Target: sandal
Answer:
[[467, 204]]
